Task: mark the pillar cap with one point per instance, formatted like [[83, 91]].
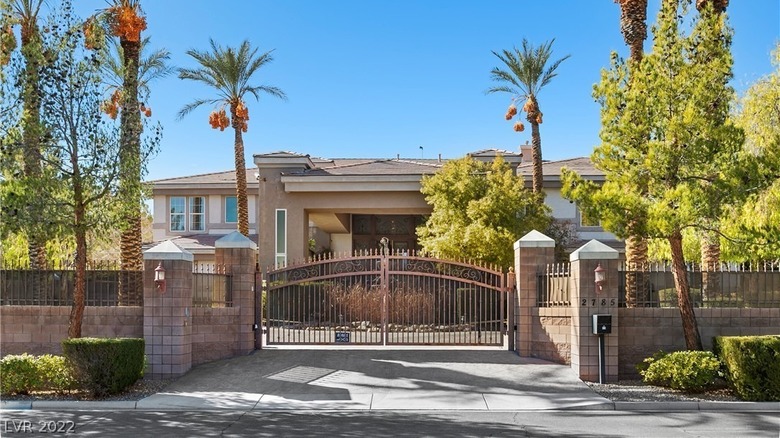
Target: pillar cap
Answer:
[[235, 240], [535, 239], [594, 250], [168, 251]]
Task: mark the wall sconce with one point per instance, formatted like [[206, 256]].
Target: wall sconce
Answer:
[[159, 278], [600, 275]]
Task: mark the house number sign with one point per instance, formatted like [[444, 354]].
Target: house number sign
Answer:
[[598, 302]]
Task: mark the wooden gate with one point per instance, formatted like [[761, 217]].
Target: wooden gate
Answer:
[[385, 299]]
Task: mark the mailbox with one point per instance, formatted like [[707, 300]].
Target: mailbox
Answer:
[[602, 324]]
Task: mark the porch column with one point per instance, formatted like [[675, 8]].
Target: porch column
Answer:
[[238, 255], [588, 299], [532, 251], [167, 312]]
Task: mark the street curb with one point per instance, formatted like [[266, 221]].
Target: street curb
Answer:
[[672, 406]]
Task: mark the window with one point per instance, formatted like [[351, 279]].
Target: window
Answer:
[[197, 213], [177, 213], [281, 238], [231, 209]]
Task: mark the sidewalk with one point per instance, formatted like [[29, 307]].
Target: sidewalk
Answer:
[[418, 380]]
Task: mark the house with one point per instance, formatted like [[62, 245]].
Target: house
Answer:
[[300, 205]]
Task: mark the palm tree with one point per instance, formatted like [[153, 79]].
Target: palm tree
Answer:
[[633, 26], [527, 74], [151, 67], [25, 13], [228, 71]]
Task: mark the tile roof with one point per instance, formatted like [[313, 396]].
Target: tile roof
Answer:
[[372, 167], [581, 165], [228, 176]]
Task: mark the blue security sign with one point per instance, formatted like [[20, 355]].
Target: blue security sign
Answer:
[[342, 337]]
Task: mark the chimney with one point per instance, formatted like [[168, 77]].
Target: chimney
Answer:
[[526, 151], [439, 158]]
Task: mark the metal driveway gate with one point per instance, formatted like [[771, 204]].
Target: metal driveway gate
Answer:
[[383, 299]]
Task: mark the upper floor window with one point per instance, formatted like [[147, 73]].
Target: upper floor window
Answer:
[[177, 213], [197, 213], [281, 237], [231, 209]]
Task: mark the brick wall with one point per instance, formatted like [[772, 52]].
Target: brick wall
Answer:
[[214, 334], [643, 331], [551, 338], [41, 329]]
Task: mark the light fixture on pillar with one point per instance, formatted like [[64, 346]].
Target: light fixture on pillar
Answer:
[[159, 278], [600, 275]]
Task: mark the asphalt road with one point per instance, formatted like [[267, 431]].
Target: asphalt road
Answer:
[[140, 423]]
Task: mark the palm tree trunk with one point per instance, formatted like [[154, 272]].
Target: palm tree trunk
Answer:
[[31, 137], [131, 288], [633, 26], [534, 118], [710, 264], [636, 270], [241, 198], [690, 327]]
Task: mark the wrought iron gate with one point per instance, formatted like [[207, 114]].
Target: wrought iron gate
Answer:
[[383, 299]]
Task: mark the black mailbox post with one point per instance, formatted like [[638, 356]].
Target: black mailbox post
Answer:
[[602, 324]]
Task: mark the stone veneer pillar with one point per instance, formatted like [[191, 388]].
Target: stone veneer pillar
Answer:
[[238, 255], [587, 300], [168, 315], [531, 252]]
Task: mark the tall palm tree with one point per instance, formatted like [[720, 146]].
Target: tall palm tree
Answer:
[[526, 74], [633, 26], [228, 71], [25, 13], [151, 66], [710, 239]]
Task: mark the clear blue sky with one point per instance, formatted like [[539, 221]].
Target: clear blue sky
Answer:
[[372, 78]]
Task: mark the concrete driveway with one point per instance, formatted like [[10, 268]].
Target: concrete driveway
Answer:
[[379, 379]]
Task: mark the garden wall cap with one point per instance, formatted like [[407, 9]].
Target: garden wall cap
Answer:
[[534, 239], [235, 240], [168, 251], [594, 250]]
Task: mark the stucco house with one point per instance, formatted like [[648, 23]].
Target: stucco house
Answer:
[[299, 205]]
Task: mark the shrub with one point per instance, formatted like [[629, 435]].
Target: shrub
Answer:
[[105, 366], [752, 365], [642, 366], [55, 373], [19, 374], [693, 371]]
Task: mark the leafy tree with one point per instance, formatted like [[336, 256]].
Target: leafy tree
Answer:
[[666, 141], [756, 222], [77, 191], [525, 75], [228, 71], [479, 211]]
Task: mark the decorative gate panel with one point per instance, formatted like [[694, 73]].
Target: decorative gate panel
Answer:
[[375, 299]]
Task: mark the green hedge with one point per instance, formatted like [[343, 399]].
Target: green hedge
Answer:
[[24, 373], [692, 371], [752, 365], [105, 366]]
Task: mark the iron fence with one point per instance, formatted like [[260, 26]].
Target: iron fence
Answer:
[[553, 285], [748, 285], [56, 287], [212, 286]]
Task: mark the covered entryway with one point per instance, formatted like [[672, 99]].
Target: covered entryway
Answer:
[[378, 298]]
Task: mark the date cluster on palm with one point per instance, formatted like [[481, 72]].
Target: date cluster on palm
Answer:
[[530, 109], [113, 106], [219, 120], [126, 22]]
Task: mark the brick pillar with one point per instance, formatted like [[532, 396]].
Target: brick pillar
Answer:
[[168, 315], [587, 300], [532, 251], [238, 255]]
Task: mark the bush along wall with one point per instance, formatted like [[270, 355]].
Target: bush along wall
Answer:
[[105, 366], [24, 373], [752, 365]]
